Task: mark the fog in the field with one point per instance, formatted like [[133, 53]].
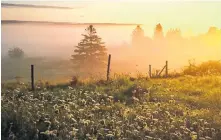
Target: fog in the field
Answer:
[[59, 42]]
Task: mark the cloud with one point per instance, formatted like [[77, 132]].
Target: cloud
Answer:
[[35, 6], [65, 23]]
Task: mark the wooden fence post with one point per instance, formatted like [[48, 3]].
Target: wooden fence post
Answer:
[[108, 67], [32, 78], [150, 71], [166, 69], [157, 71]]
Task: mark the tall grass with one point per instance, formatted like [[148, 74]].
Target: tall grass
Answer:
[[206, 68]]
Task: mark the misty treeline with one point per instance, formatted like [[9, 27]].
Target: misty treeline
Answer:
[[173, 37], [90, 55]]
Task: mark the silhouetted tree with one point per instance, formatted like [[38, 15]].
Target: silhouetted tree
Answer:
[[212, 37], [212, 30], [16, 53], [90, 55], [158, 33], [137, 37], [174, 34]]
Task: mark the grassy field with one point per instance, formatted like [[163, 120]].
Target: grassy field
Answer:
[[58, 70], [184, 108], [45, 69]]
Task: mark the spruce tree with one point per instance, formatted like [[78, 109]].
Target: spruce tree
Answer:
[[158, 33], [90, 54], [138, 37]]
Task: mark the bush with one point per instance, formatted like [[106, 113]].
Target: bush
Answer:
[[16, 53], [74, 81], [210, 67], [205, 68]]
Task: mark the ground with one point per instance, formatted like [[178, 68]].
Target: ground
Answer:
[[185, 108]]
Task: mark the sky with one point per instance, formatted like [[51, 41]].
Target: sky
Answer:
[[189, 16]]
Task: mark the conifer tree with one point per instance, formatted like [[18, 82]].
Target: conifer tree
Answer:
[[138, 37], [90, 54], [158, 33]]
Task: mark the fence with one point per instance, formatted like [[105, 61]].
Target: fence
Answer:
[[158, 75], [60, 71]]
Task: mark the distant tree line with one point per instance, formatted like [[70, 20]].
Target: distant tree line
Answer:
[[16, 53], [91, 54], [211, 38]]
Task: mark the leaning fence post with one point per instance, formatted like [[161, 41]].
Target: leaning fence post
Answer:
[[32, 77], [108, 67], [166, 68], [150, 71]]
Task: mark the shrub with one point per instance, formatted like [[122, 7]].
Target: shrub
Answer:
[[16, 53], [74, 81], [205, 68]]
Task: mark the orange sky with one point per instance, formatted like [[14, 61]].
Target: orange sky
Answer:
[[195, 17]]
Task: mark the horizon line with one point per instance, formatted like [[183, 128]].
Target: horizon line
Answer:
[[64, 23], [8, 5]]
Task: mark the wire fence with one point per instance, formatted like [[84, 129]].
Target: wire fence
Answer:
[[60, 71]]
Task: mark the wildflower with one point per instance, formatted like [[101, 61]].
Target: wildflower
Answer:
[[135, 99], [88, 135], [208, 138], [69, 87], [17, 91], [134, 91], [96, 108], [109, 135], [111, 97], [149, 137]]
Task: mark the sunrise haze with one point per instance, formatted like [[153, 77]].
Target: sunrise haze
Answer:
[[191, 17]]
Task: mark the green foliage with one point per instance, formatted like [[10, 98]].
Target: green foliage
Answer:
[[205, 68], [181, 108], [90, 55], [16, 52]]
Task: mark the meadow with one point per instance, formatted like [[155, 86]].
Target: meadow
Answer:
[[70, 46], [183, 108], [45, 69]]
